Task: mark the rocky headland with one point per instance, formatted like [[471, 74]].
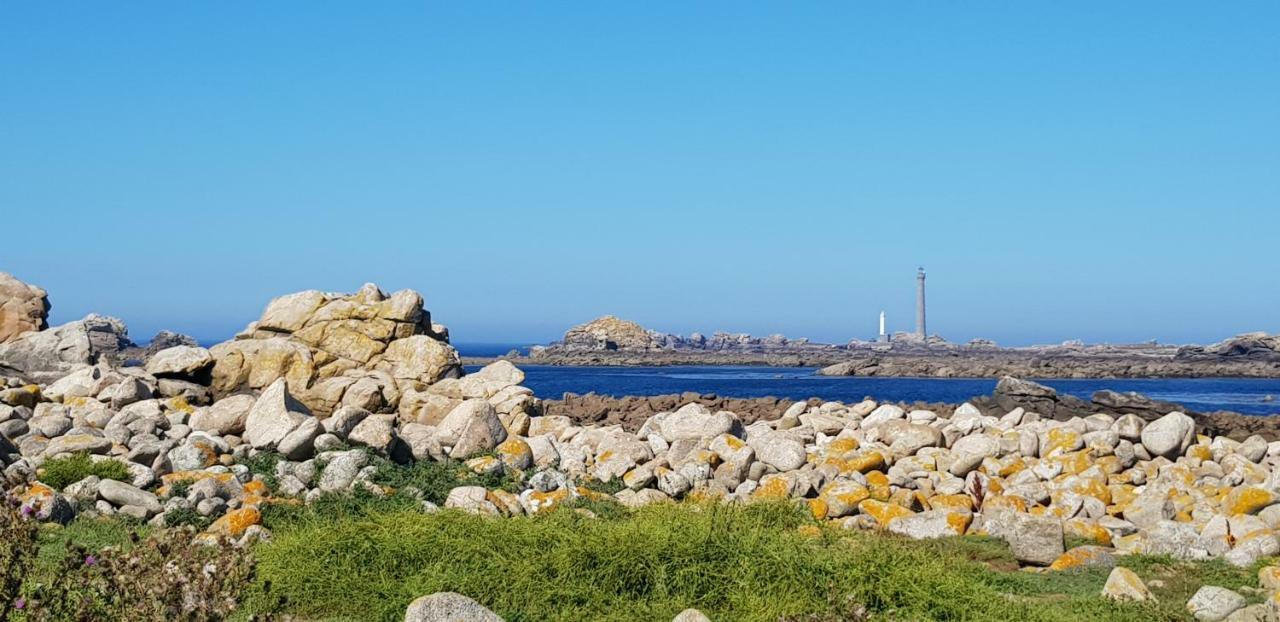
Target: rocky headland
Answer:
[[613, 341], [333, 398]]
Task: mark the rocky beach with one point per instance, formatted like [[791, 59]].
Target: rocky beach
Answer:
[[358, 401]]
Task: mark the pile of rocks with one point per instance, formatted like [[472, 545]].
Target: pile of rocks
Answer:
[[365, 370], [1210, 603], [325, 381]]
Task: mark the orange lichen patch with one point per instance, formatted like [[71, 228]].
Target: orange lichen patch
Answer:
[[842, 497], [180, 404], [484, 465], [1108, 464], [542, 501], [506, 502], [1075, 462], [883, 512], [78, 400], [1247, 500], [878, 484], [36, 492], [951, 502], [842, 446], [1060, 440], [700, 495], [1122, 494], [1200, 451], [1075, 558], [912, 499], [1093, 488], [594, 495], [864, 463], [732, 442], [772, 488], [959, 522], [255, 492], [1087, 529], [1008, 467], [234, 523], [818, 508], [704, 456], [1008, 502], [514, 453]]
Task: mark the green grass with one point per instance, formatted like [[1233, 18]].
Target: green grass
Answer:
[[732, 562], [264, 465], [59, 473]]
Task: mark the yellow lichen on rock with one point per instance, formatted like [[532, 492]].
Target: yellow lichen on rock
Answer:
[[883, 512], [1246, 500], [234, 523], [817, 507]]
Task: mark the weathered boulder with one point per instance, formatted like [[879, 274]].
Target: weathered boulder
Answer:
[[471, 428], [448, 607], [226, 416], [120, 493], [1170, 435], [274, 415], [23, 307], [1212, 603], [932, 524], [1032, 539], [780, 450], [47, 355], [1125, 585], [180, 362]]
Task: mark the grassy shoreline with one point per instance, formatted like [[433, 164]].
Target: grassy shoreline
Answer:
[[361, 558]]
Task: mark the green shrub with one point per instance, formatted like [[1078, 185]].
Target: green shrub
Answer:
[[435, 479], [179, 489], [177, 517], [263, 464], [751, 562], [59, 473], [613, 486]]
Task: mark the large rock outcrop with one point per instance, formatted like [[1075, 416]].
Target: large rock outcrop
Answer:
[[611, 333], [23, 307], [365, 349], [1249, 346], [45, 356]]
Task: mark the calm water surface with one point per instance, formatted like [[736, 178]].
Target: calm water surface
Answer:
[[1245, 395]]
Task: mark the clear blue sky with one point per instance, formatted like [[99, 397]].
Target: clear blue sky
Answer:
[[1100, 170]]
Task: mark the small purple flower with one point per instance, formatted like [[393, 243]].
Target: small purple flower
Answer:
[[21, 603], [28, 510], [90, 560]]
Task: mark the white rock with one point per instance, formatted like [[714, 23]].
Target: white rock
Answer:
[[448, 607], [1169, 436], [1213, 604], [273, 416]]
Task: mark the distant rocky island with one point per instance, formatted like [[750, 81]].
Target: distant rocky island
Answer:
[[611, 340]]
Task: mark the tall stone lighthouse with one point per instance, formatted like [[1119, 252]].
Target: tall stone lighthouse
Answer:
[[921, 331]]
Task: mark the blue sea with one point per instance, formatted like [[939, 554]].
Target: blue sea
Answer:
[[1244, 395]]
